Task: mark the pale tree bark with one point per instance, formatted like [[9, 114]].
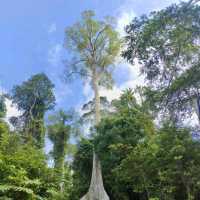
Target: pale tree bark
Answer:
[[95, 87], [198, 107], [96, 190], [196, 103]]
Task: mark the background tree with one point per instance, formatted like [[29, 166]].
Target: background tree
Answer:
[[166, 44], [33, 98], [59, 132], [116, 137], [2, 106], [24, 173], [89, 110], [95, 46], [24, 170], [127, 100], [138, 161], [165, 167]]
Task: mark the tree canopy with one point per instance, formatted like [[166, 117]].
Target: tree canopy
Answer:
[[166, 44], [33, 98]]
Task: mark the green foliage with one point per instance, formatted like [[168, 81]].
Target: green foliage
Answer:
[[59, 132], [139, 162], [166, 45], [57, 193], [4, 130], [116, 136], [33, 98], [127, 100], [23, 170], [82, 168], [95, 45], [166, 166], [2, 106], [34, 95]]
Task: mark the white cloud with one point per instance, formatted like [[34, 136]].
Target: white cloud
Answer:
[[125, 15], [55, 71], [87, 91], [146, 6], [52, 28], [133, 79], [2, 91], [62, 91], [111, 94], [54, 54], [12, 110], [193, 120], [123, 20]]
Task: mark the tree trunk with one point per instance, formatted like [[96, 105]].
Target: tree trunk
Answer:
[[60, 161], [95, 86], [96, 190], [62, 176], [60, 171], [198, 107]]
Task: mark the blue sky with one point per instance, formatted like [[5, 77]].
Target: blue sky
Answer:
[[31, 40], [32, 34]]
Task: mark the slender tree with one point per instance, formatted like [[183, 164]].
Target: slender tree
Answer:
[[95, 46], [59, 131]]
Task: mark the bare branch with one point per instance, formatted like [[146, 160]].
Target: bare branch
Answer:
[[78, 72]]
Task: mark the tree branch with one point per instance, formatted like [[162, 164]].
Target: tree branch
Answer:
[[98, 35], [78, 72]]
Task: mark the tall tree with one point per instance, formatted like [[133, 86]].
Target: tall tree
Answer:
[[117, 135], [33, 98], [166, 43], [59, 131], [95, 45], [82, 167]]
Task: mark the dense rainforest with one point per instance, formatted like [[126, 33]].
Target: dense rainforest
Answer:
[[143, 143]]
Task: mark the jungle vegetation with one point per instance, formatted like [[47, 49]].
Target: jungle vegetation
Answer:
[[143, 147]]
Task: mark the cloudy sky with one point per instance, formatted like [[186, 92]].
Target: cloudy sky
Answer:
[[32, 35]]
